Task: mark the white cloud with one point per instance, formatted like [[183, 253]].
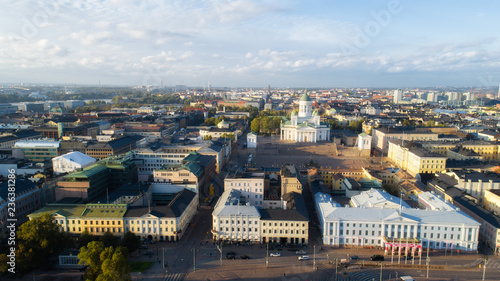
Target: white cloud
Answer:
[[87, 38]]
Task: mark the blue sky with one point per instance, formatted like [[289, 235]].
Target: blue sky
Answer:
[[246, 43]]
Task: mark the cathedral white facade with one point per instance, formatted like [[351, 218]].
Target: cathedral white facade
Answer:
[[306, 127]]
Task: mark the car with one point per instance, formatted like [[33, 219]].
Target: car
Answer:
[[303, 258], [406, 278], [354, 257], [230, 257], [301, 252], [148, 253], [377, 258], [275, 254], [244, 257]]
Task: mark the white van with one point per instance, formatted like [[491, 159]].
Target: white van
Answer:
[[406, 278]]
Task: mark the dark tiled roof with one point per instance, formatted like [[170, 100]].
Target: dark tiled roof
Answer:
[[22, 185], [297, 211], [479, 211], [114, 144], [175, 209]]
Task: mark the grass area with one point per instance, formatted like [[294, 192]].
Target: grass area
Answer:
[[139, 266]]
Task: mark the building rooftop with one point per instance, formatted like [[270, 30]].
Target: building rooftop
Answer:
[[173, 210], [87, 172], [104, 210], [37, 143], [377, 198], [230, 203], [478, 210], [407, 215], [435, 202], [65, 210]]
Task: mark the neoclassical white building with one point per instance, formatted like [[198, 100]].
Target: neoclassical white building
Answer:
[[306, 127]]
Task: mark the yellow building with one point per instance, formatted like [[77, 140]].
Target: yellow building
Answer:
[[333, 178], [286, 226], [165, 222], [492, 200], [488, 150], [290, 179], [415, 160], [98, 219]]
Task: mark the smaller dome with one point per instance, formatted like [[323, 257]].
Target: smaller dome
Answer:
[[305, 97]]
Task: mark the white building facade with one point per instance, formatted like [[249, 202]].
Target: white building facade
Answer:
[[306, 127], [234, 221], [251, 140], [251, 186], [402, 230]]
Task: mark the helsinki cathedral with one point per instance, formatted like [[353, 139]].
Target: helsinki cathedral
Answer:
[[306, 126]]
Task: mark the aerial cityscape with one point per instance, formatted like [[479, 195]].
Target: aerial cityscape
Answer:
[[249, 140]]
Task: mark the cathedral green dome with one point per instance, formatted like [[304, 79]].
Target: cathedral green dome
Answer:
[[305, 97]]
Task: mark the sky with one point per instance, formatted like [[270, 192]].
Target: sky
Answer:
[[251, 43]]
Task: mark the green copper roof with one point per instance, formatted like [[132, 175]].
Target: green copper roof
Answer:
[[87, 172], [305, 97]]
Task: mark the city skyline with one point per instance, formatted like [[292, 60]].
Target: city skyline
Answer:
[[251, 43]]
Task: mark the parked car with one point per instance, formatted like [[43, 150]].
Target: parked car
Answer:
[[354, 257], [377, 258], [149, 253], [303, 258], [275, 254], [406, 278], [301, 252], [244, 257], [230, 257]]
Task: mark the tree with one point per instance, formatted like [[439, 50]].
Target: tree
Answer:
[[91, 255], [105, 264], [115, 266], [228, 136], [255, 125], [109, 240], [3, 263], [85, 238], [131, 241], [207, 137], [39, 238]]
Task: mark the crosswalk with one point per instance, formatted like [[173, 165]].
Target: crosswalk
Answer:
[[175, 276], [360, 276]]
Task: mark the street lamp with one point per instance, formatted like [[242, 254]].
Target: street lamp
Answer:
[[219, 247], [381, 266], [484, 267], [163, 252], [267, 255], [314, 257]]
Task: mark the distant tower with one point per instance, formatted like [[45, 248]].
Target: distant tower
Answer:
[[398, 95], [60, 129], [269, 89]]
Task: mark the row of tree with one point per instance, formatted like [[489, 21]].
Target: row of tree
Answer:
[[40, 240], [266, 125]]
